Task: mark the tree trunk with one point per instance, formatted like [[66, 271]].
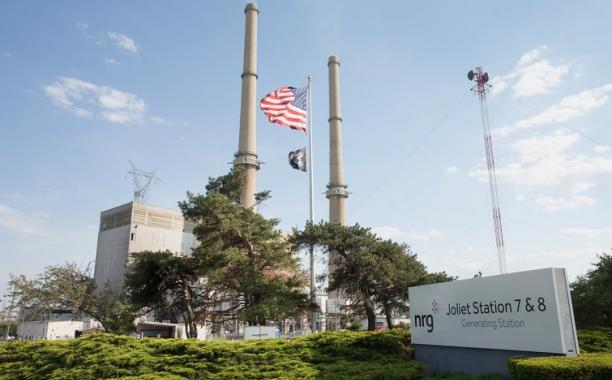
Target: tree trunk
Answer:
[[388, 315], [371, 316], [193, 331]]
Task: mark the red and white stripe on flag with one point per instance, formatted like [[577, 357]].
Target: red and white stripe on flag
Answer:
[[287, 107]]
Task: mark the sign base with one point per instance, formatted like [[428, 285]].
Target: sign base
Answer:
[[471, 361]]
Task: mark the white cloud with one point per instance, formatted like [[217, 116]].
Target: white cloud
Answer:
[[21, 223], [539, 147], [112, 61], [532, 55], [556, 204], [123, 41], [83, 26], [451, 170], [85, 99], [539, 78], [588, 232], [11, 196], [551, 171], [602, 148], [394, 233], [569, 108], [387, 232], [7, 54], [160, 120], [581, 186], [532, 75], [425, 235], [545, 161]]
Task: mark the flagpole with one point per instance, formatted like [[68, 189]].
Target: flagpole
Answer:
[[313, 315]]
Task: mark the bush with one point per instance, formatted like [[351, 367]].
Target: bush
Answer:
[[584, 367], [334, 355], [595, 340]]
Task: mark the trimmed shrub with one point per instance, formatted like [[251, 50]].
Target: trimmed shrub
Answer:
[[334, 355], [583, 367], [595, 339]]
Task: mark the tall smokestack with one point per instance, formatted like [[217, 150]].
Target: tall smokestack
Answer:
[[246, 157], [336, 189]]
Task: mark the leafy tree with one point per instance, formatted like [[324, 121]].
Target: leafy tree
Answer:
[[592, 295], [400, 270], [356, 271], [12, 326], [230, 185], [435, 277], [67, 286], [374, 273], [253, 266], [170, 285], [242, 268]]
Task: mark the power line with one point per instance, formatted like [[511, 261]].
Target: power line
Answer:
[[402, 162]]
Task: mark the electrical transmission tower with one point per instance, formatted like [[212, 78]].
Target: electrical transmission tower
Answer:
[[142, 182], [481, 88]]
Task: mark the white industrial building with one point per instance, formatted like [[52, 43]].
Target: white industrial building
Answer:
[[60, 324], [136, 227]]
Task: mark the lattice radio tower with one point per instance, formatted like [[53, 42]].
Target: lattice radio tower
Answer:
[[481, 88], [142, 182]]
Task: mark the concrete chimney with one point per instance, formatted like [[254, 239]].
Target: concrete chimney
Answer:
[[336, 189], [246, 157]]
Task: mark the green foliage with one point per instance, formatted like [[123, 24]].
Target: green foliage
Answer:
[[436, 277], [12, 328], [243, 255], [169, 284], [592, 295], [374, 273], [338, 355], [357, 270], [67, 286], [354, 323], [461, 376], [584, 367], [595, 340], [229, 185]]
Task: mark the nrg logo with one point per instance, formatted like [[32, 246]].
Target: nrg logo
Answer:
[[427, 320]]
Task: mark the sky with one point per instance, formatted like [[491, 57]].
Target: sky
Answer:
[[87, 86]]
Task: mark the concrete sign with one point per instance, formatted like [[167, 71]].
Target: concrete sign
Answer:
[[524, 311]]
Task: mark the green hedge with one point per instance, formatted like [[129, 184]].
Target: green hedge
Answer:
[[338, 355], [595, 339], [583, 367], [595, 361]]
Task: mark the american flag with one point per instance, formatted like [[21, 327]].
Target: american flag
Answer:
[[287, 107]]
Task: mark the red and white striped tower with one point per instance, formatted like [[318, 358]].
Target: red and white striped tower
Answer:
[[481, 88]]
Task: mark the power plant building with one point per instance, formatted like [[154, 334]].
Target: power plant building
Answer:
[[135, 227]]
